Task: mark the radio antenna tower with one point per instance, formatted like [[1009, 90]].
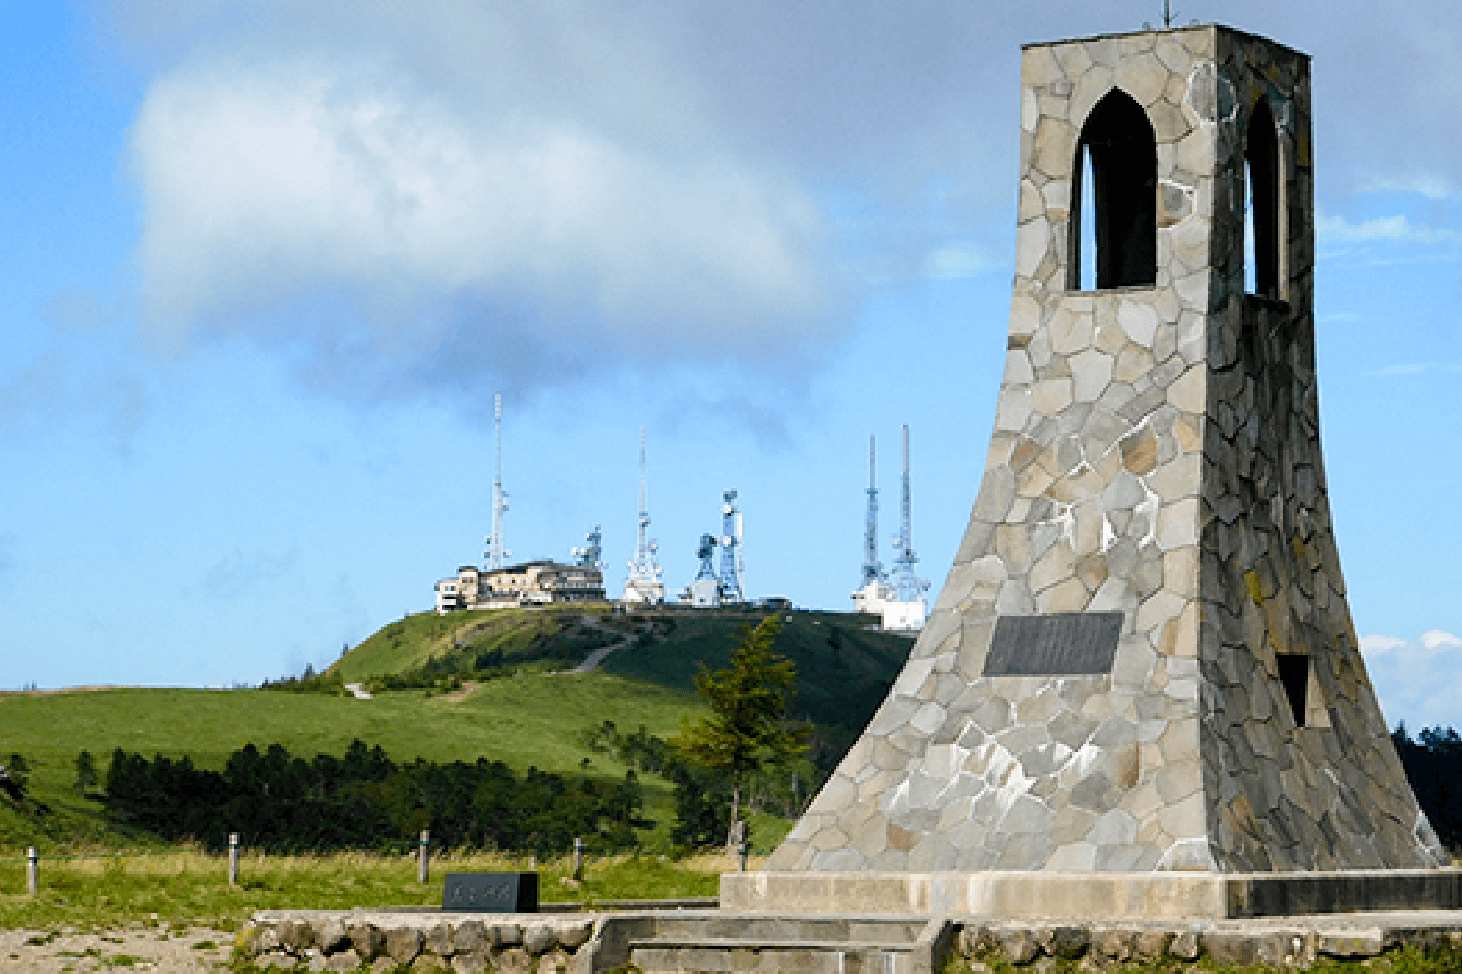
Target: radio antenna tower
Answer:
[[872, 567], [733, 568], [645, 582], [908, 586], [588, 555], [496, 553]]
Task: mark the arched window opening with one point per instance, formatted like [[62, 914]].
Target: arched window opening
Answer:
[[1261, 215], [1117, 156]]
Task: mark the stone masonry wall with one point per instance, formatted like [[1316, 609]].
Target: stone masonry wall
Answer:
[[1156, 454]]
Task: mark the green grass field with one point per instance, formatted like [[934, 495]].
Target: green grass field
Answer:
[[530, 719], [188, 886]]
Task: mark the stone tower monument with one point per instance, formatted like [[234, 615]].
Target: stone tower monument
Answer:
[[1142, 660]]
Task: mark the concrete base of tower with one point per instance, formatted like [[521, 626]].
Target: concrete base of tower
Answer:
[[1093, 896]]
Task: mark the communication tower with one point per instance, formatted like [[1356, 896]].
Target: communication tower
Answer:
[[496, 553], [872, 567], [705, 591], [645, 582], [907, 584], [733, 568], [589, 555]]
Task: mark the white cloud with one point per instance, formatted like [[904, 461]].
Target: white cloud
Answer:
[[1435, 639], [1430, 185], [266, 182], [1417, 681], [958, 261], [1375, 645], [1333, 229]]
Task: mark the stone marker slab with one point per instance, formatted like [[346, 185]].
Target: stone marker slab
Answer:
[[491, 892], [1060, 644]]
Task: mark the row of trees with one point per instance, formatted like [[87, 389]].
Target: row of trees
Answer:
[[364, 799]]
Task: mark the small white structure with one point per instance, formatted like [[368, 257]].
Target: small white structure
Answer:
[[877, 598]]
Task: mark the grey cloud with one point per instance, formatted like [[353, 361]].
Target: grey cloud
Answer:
[[422, 197]]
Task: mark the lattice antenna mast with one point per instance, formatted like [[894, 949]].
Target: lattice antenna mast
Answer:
[[733, 568], [497, 553], [872, 567], [589, 555], [706, 552], [645, 565], [908, 586]]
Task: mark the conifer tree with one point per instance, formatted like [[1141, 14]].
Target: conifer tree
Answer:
[[748, 726]]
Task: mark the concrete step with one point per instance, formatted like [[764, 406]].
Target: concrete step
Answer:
[[679, 956], [716, 942]]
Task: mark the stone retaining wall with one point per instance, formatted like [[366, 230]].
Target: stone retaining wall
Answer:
[[335, 941], [1254, 944]]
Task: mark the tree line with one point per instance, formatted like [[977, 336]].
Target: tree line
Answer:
[[363, 799]]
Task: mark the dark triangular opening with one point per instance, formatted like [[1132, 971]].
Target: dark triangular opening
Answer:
[[1294, 673]]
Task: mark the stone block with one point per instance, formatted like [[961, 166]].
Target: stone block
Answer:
[[403, 944], [345, 960], [367, 940]]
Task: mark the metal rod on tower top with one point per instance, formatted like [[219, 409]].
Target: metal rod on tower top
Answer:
[[872, 570], [644, 503], [495, 549], [1167, 13]]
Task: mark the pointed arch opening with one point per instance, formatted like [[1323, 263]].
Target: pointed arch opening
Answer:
[[1117, 155], [1261, 214]]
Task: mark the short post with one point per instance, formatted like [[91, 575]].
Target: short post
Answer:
[[422, 867], [32, 871], [742, 851], [578, 858], [233, 858]]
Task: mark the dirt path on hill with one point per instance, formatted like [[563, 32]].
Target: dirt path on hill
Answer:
[[162, 948]]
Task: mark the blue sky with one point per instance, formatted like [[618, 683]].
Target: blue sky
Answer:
[[266, 264]]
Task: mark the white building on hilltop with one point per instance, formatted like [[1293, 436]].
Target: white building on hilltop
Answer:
[[533, 583]]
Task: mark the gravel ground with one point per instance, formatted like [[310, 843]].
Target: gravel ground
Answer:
[[138, 948]]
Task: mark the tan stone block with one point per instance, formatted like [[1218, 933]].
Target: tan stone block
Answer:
[[1169, 122], [1054, 151], [1087, 90], [1071, 331], [1018, 367], [1142, 76], [1058, 562], [1049, 397], [1032, 241], [1031, 204], [1174, 56], [1074, 59], [1067, 596], [1091, 370], [1157, 609], [1138, 319], [1038, 66], [1178, 478], [1025, 314], [1139, 451], [1180, 571], [1013, 410], [1132, 363], [1190, 390], [1186, 428]]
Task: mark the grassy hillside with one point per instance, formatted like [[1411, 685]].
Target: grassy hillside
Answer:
[[520, 713], [531, 719]]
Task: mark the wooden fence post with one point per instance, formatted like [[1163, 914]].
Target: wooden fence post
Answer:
[[422, 867], [578, 858]]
